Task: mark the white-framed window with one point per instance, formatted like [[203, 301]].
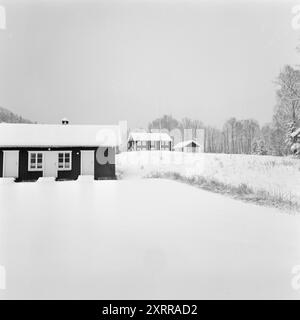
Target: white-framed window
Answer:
[[153, 144], [64, 160], [35, 161], [144, 143], [166, 144]]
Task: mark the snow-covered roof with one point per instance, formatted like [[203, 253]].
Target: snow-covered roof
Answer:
[[39, 135], [149, 136], [295, 133], [186, 143]]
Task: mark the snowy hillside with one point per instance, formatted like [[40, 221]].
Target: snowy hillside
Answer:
[[279, 176], [139, 239], [10, 117]]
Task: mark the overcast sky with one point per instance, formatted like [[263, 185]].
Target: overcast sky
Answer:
[[104, 61]]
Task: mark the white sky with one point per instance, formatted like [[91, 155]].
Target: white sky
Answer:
[[103, 61]]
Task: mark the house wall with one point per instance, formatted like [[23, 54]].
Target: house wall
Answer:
[[103, 171], [24, 174], [190, 149], [1, 163], [132, 146], [76, 165], [168, 147]]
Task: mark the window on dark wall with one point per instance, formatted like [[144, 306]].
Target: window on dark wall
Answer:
[[35, 161], [64, 160]]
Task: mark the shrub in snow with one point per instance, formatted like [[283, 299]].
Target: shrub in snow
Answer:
[[290, 139], [259, 147], [277, 176], [295, 148]]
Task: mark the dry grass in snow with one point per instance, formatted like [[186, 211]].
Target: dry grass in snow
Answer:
[[266, 180]]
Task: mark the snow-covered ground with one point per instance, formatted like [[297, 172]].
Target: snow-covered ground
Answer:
[[280, 176], [138, 238]]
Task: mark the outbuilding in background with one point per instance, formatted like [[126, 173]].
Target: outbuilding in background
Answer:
[[188, 146]]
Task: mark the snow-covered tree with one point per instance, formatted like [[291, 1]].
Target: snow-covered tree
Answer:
[[259, 147], [290, 140], [287, 110]]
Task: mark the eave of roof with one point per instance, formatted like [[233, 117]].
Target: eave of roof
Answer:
[[184, 144], [149, 136]]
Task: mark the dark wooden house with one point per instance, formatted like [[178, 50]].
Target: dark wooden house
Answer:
[[139, 141], [31, 151]]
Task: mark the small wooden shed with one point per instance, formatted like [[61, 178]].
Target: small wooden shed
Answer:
[[188, 146]]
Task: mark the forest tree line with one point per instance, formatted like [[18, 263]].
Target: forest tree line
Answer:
[[10, 117], [247, 136]]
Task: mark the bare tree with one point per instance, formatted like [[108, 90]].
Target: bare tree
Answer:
[[287, 110], [288, 95], [165, 122]]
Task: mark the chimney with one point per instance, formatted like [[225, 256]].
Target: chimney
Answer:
[[64, 121]]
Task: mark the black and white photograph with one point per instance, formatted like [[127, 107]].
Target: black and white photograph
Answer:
[[149, 150]]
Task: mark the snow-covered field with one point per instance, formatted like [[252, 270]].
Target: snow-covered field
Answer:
[[280, 176], [138, 238]]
